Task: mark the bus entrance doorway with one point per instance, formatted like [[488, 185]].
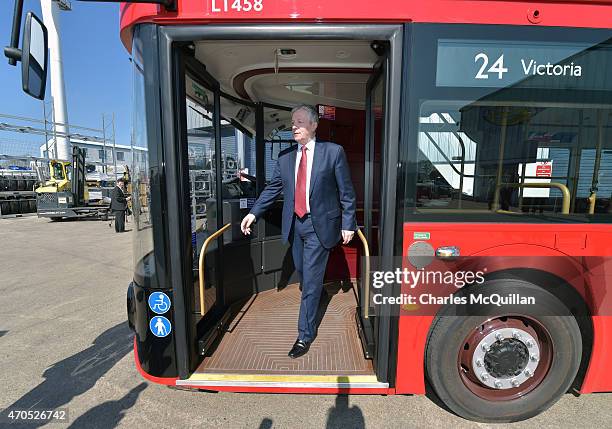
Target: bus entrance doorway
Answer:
[[245, 295]]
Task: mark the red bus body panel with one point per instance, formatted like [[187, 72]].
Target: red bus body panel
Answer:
[[562, 250], [579, 13], [578, 243]]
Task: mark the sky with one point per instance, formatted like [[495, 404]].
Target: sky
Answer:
[[97, 74]]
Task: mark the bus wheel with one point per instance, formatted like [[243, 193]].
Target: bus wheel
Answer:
[[507, 363]]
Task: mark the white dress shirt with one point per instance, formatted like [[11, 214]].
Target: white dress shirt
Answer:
[[310, 148]]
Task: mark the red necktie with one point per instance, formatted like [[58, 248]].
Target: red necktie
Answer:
[[300, 185]]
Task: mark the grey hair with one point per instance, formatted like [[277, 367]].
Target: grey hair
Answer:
[[312, 112]]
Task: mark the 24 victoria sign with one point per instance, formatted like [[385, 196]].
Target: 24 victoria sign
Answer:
[[485, 63]]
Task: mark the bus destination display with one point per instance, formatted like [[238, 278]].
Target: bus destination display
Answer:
[[498, 64]]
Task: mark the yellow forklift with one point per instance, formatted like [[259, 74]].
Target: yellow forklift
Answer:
[[65, 194]]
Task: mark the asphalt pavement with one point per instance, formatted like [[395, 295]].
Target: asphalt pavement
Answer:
[[65, 345]]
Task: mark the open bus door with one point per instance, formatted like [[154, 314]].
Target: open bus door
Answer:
[[202, 150], [237, 279], [237, 297], [372, 193]]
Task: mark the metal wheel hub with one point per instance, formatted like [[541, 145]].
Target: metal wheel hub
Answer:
[[506, 358]]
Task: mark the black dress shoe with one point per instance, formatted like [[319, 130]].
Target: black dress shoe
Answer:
[[300, 348]]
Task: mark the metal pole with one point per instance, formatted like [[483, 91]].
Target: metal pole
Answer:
[[104, 169], [18, 11], [595, 180], [50, 11], [46, 130], [260, 148], [576, 154], [114, 148], [54, 129], [500, 160]]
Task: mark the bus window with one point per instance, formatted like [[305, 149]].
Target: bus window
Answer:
[[145, 274], [501, 159], [275, 144], [519, 147]]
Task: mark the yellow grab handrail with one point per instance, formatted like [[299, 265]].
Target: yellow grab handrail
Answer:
[[366, 276], [592, 200], [565, 208], [201, 263]]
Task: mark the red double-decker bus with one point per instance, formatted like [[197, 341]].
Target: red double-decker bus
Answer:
[[474, 130]]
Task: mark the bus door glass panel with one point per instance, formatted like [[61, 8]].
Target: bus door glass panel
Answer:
[[278, 137], [199, 105], [369, 209], [241, 258], [278, 269]]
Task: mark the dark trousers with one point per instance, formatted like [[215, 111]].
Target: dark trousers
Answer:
[[119, 221], [310, 260]]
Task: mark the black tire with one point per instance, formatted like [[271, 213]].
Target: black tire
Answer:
[[22, 184], [448, 335], [5, 207], [24, 206]]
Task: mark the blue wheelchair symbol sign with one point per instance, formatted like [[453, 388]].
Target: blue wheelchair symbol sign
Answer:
[[159, 302], [160, 326]]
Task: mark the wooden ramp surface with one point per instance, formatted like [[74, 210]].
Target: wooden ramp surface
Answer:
[[262, 333]]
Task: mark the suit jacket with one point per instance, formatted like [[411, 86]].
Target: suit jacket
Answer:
[[118, 200], [332, 197]]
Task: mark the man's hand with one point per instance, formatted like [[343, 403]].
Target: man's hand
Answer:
[[245, 225], [346, 236]]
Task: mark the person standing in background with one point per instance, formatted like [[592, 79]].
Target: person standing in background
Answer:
[[119, 205]]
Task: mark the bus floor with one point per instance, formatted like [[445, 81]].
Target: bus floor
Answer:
[[262, 332]]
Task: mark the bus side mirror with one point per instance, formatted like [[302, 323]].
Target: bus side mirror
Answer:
[[34, 54]]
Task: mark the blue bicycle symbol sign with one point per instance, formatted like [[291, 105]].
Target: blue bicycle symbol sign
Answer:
[[159, 302]]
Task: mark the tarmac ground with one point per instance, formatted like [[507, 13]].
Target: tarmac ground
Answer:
[[65, 344]]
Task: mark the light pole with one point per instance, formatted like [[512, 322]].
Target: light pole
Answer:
[[50, 11]]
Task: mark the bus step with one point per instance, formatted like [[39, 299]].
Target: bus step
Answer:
[[366, 334]]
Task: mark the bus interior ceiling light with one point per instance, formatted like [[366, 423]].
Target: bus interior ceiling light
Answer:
[[285, 54]]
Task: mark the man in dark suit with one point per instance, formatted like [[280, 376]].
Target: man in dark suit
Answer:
[[119, 205], [318, 211]]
